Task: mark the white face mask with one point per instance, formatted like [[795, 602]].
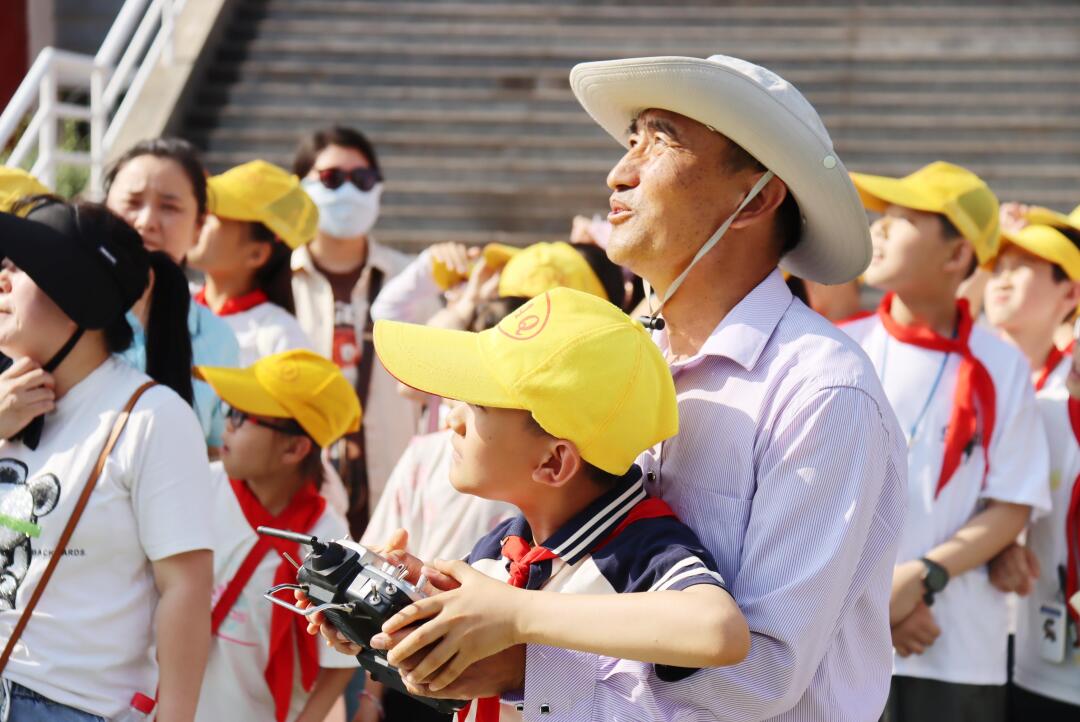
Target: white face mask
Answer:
[[657, 323], [346, 212]]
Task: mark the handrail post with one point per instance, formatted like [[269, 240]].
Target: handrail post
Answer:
[[98, 120], [47, 139]]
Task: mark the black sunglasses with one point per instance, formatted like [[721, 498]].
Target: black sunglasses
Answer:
[[237, 418], [363, 178]]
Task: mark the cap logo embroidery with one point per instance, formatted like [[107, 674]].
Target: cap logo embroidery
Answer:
[[288, 372], [528, 321], [110, 257]]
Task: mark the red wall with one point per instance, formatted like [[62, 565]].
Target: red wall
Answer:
[[14, 43]]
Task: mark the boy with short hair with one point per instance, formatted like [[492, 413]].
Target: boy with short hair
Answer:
[[555, 404], [283, 410], [1046, 676], [1034, 288], [257, 214], [977, 460]]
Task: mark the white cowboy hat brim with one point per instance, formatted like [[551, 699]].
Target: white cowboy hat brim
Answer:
[[835, 245]]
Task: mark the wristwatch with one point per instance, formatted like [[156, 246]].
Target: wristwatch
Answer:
[[934, 580]]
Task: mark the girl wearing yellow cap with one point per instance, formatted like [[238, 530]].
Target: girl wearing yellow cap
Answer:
[[258, 214]]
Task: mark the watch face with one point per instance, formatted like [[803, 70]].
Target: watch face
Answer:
[[936, 578]]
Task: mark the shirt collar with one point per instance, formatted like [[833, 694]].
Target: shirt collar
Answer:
[[745, 331], [379, 256], [577, 537]]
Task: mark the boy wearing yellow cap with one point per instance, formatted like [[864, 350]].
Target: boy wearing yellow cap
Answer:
[[283, 410], [977, 458], [257, 214], [555, 404], [1045, 572], [1034, 288]]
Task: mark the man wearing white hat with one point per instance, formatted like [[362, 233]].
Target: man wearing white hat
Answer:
[[789, 463]]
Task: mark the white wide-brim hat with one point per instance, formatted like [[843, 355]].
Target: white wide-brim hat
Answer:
[[765, 115]]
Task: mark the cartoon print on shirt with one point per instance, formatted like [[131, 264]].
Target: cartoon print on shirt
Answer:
[[22, 503]]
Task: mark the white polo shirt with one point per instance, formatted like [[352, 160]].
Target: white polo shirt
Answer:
[[921, 384], [265, 330], [1046, 538], [234, 686]]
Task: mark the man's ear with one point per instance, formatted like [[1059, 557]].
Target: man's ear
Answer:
[[763, 204], [296, 450], [561, 463]]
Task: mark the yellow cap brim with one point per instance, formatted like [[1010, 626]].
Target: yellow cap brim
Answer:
[[496, 255], [1048, 244], [240, 389], [879, 192], [439, 361]]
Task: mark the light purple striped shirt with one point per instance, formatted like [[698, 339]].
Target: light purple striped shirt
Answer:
[[791, 468]]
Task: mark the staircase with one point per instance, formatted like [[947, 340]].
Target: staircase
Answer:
[[481, 139]]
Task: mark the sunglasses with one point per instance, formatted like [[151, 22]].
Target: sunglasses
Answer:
[[237, 418], [363, 178]]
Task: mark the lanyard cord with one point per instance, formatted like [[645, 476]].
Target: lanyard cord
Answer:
[[713, 240], [929, 398]]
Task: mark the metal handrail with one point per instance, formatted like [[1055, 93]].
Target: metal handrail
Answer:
[[122, 64]]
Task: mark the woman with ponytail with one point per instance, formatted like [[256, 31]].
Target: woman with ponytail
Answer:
[[159, 187], [103, 496]]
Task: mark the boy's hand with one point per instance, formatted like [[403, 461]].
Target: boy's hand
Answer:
[[465, 625], [1014, 570], [491, 677], [917, 633]]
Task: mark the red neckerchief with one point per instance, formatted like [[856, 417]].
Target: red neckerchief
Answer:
[[300, 515], [857, 316], [1072, 524], [523, 555], [973, 384], [1055, 357], [233, 305]]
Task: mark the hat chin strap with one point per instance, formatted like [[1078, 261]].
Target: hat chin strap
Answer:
[[653, 320], [59, 356]]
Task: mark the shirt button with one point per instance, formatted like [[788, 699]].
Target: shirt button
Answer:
[[651, 477], [545, 709], [520, 706]]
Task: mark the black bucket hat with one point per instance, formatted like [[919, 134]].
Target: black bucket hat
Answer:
[[94, 271]]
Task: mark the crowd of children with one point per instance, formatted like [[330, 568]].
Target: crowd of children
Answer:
[[202, 355]]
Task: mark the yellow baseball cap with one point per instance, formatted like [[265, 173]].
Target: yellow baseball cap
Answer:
[[586, 372], [1074, 217], [1048, 244], [530, 271], [262, 192], [297, 384], [954, 192], [15, 183]]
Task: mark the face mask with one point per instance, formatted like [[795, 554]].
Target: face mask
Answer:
[[653, 320], [347, 211]]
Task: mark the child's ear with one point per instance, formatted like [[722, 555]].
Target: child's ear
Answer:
[[258, 254], [961, 258], [296, 450], [1073, 295], [561, 464]]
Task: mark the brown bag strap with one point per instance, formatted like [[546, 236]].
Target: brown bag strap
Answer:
[[80, 506]]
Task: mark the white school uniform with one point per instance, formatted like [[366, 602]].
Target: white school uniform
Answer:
[[920, 384], [1058, 680], [234, 686]]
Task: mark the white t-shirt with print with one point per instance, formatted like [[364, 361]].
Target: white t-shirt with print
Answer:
[[90, 642], [1046, 538], [970, 611], [265, 330], [234, 686]]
